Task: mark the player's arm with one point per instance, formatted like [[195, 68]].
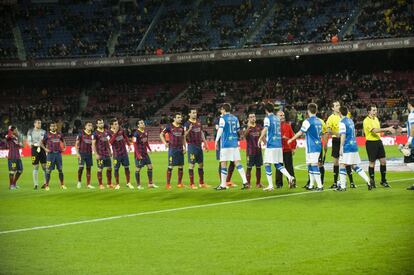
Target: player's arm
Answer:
[[203, 138], [162, 136], [303, 129], [290, 134], [187, 128], [113, 138], [381, 130], [411, 133], [220, 131], [77, 146], [94, 147], [29, 138], [42, 144], [64, 142], [342, 131], [184, 144], [262, 135]]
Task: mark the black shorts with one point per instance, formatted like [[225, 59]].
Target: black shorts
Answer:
[[255, 160], [38, 156], [336, 143], [375, 150], [410, 159]]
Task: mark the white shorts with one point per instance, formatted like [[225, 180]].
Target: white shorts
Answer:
[[312, 158], [230, 154], [273, 155], [350, 158]]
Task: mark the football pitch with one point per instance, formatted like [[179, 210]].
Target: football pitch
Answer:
[[184, 231]]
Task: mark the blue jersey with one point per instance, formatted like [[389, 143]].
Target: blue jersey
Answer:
[[347, 128], [230, 125], [274, 134], [312, 127], [410, 124]]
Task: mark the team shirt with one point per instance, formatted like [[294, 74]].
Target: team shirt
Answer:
[[195, 135], [333, 123], [140, 140], [85, 142], [369, 124], [410, 124], [102, 142], [347, 128], [176, 134], [230, 125], [35, 136], [13, 145], [118, 141], [52, 141], [274, 134], [312, 127], [252, 139]]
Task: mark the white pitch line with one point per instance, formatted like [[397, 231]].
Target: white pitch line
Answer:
[[165, 211]]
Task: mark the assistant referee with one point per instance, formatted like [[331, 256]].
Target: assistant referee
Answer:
[[374, 145], [332, 125]]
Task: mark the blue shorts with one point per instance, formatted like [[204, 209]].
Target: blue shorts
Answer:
[[124, 160], [139, 163], [85, 159], [255, 160], [52, 160], [175, 157], [104, 162], [15, 165], [195, 154]]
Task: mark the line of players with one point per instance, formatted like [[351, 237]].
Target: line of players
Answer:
[[113, 143]]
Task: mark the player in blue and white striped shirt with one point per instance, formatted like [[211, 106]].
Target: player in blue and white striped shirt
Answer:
[[229, 145], [348, 151], [312, 128], [273, 152], [409, 160]]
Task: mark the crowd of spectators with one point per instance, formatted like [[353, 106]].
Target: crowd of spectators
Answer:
[[389, 18]]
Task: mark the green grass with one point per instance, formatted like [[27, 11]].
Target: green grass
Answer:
[[315, 233]]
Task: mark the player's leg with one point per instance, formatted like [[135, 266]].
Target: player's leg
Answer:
[[342, 177], [383, 170], [149, 174], [81, 162], [138, 166], [19, 171], [191, 158], [335, 156], [117, 165], [223, 173], [363, 175], [35, 172], [200, 161], [99, 164], [169, 168], [178, 160], [12, 172], [268, 161], [250, 162], [59, 165], [230, 171], [279, 177], [108, 164], [89, 164], [288, 162], [125, 163], [351, 178], [312, 159], [279, 166], [49, 169]]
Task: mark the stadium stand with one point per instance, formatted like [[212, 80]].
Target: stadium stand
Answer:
[[110, 28]]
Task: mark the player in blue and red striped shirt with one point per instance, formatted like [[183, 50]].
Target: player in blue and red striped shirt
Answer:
[[52, 145], [102, 150], [119, 142], [176, 148], [141, 148], [195, 138], [83, 148], [14, 161], [253, 152]]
